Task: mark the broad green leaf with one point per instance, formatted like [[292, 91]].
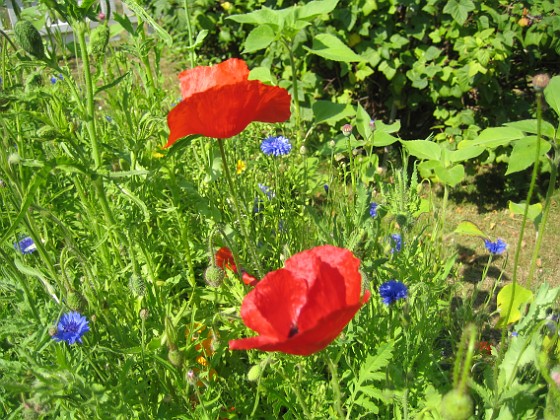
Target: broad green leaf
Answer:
[[451, 175], [259, 38], [517, 297], [315, 8], [523, 154], [142, 14], [387, 128], [469, 228], [459, 9], [423, 149], [462, 155], [264, 16], [330, 47], [263, 74], [493, 137], [552, 94], [535, 210], [545, 298], [363, 122], [382, 138], [330, 112], [530, 126]]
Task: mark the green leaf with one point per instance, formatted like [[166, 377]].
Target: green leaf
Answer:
[[493, 137], [535, 210], [263, 74], [469, 228], [552, 94], [382, 138], [330, 112], [462, 155], [530, 126], [451, 175], [259, 38], [142, 14], [459, 9], [112, 83], [330, 47], [363, 122], [315, 8], [523, 154], [517, 297], [264, 16], [423, 149]]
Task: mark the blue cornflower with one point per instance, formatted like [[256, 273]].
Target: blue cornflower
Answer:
[[393, 290], [326, 188], [108, 118], [276, 146], [396, 238], [53, 80], [373, 209], [496, 248], [25, 245], [71, 327]]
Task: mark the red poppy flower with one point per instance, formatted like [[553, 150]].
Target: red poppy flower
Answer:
[[224, 260], [219, 101], [301, 308], [484, 347]]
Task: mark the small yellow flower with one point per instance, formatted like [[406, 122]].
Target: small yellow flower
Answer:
[[226, 5], [240, 167], [157, 154]]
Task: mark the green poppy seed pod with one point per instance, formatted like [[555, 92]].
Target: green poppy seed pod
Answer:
[[175, 357], [254, 373], [29, 38], [456, 405], [99, 39], [214, 276], [75, 301]]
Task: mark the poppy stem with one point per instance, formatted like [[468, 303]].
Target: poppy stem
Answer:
[[335, 386], [242, 225]]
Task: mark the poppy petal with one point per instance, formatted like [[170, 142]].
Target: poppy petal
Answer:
[[224, 259], [224, 111], [248, 279], [202, 78], [272, 308]]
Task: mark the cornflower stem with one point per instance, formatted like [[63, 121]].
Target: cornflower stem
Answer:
[[484, 274], [337, 403], [352, 167], [80, 29], [184, 229], [502, 348], [297, 112], [242, 225]]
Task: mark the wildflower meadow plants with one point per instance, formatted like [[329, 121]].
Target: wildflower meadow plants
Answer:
[[218, 258]]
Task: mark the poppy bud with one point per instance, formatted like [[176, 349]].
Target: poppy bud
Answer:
[[75, 301], [254, 373], [175, 357], [456, 405], [29, 38], [144, 314], [214, 276]]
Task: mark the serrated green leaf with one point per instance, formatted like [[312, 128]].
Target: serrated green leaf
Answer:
[[517, 297], [462, 155], [469, 228], [139, 11], [330, 112], [330, 47], [259, 38], [450, 175], [363, 122], [523, 154], [459, 9], [535, 210], [264, 16]]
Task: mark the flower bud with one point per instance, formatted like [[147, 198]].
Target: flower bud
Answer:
[[14, 158], [214, 276], [346, 129], [540, 81], [456, 405], [144, 314], [254, 373], [175, 357]]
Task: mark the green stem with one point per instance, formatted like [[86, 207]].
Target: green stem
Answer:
[[247, 240], [352, 167], [336, 387], [502, 348], [295, 92], [189, 32]]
